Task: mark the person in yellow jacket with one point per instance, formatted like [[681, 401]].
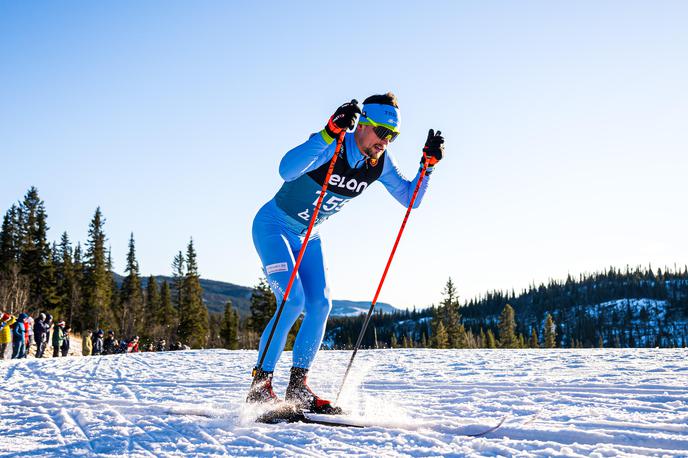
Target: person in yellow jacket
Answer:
[[6, 322], [87, 343]]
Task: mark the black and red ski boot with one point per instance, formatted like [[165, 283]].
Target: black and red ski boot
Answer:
[[261, 388], [303, 397]]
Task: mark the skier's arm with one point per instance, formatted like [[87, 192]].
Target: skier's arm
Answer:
[[306, 157], [398, 186], [317, 149], [401, 188]]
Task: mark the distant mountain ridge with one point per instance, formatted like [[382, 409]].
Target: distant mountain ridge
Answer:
[[216, 293]]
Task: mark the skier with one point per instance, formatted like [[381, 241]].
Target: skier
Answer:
[[281, 223]]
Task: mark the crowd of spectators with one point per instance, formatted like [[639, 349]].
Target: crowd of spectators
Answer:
[[23, 331]]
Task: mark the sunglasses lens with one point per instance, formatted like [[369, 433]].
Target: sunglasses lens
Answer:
[[384, 133]]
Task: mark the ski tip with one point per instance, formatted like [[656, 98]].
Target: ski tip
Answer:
[[489, 430]]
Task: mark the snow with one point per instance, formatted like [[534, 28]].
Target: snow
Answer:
[[593, 402]]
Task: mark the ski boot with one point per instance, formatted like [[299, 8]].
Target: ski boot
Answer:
[[261, 388], [303, 397]]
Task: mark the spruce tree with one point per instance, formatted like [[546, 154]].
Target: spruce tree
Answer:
[[406, 342], [393, 343], [533, 338], [193, 322], [441, 339], [167, 313], [507, 328], [35, 253], [229, 329], [66, 283], [152, 301], [550, 332], [10, 239], [96, 312], [76, 292], [491, 341], [263, 306], [178, 281], [131, 312]]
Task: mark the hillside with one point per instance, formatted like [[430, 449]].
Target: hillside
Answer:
[[631, 308], [216, 293]]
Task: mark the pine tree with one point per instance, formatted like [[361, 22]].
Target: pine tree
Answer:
[[131, 296], [441, 339], [483, 339], [67, 282], [178, 281], [166, 318], [534, 338], [229, 329], [96, 312], [35, 255], [491, 341], [550, 332], [152, 307], [406, 342], [448, 313], [263, 306], [10, 239], [393, 343], [507, 328], [193, 322]]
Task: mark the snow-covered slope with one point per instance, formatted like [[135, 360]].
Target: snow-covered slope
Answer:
[[557, 402]]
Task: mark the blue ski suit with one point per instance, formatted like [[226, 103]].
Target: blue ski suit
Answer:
[[280, 225]]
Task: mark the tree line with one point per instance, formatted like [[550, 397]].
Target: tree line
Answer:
[[78, 284], [635, 307]]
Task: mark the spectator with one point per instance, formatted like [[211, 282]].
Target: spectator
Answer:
[[40, 334], [98, 343], [133, 345], [110, 345], [160, 346], [87, 343], [6, 322], [65, 342], [122, 346], [19, 337], [28, 324], [58, 338]]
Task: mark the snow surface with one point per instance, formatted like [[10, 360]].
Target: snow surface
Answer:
[[594, 402]]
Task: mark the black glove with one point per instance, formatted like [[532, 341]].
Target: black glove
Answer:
[[343, 119], [433, 151]]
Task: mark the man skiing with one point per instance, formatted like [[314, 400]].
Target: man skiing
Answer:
[[281, 224]]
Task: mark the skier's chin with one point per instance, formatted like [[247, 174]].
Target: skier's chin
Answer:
[[375, 151]]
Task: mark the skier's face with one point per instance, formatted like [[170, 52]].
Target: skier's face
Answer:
[[369, 143]]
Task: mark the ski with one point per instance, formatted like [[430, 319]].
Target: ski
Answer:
[[489, 430], [287, 413]]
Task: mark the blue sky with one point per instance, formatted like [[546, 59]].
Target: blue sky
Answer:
[[565, 127]]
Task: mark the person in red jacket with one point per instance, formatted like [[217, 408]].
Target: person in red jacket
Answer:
[[133, 345]]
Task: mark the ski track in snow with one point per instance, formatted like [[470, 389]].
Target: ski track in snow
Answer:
[[600, 403]]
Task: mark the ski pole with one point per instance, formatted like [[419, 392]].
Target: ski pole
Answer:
[[382, 280], [340, 140]]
